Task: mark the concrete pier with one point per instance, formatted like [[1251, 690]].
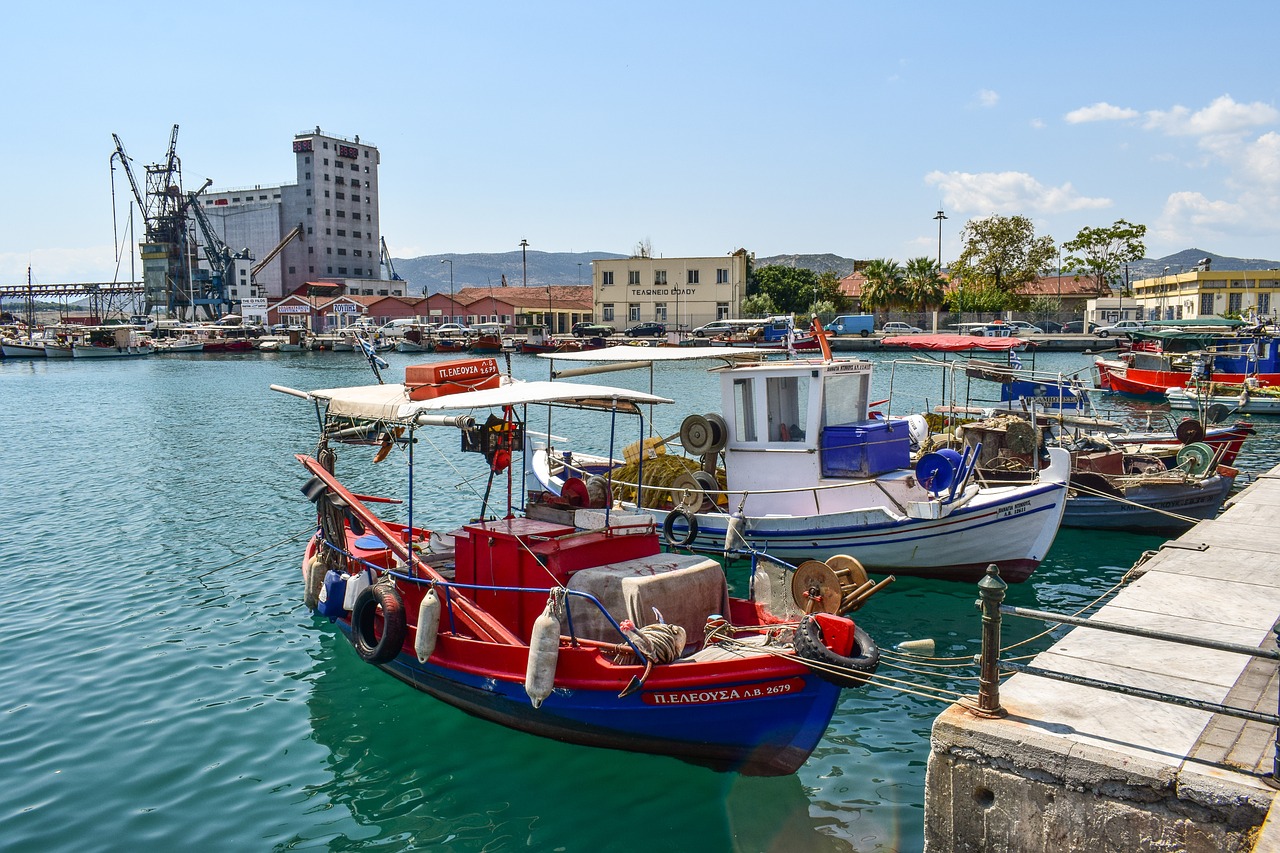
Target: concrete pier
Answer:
[[1076, 768]]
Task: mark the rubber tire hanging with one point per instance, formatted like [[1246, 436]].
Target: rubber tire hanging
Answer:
[[374, 649], [853, 670], [669, 532]]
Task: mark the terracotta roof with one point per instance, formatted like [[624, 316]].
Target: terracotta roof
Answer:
[[562, 296], [1066, 285]]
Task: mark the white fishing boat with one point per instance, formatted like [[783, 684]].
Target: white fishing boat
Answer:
[[1233, 399], [810, 473], [112, 342], [22, 347]]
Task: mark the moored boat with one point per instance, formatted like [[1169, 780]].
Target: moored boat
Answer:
[[810, 473], [574, 627]]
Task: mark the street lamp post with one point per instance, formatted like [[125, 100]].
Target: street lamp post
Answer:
[[941, 216], [449, 261]]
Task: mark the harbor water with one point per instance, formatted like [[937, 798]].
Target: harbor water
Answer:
[[165, 688]]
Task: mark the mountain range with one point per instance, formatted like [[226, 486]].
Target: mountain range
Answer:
[[430, 273]]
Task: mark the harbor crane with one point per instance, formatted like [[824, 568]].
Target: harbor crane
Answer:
[[392, 275], [168, 250]]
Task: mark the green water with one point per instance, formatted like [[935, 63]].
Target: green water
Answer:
[[156, 697]]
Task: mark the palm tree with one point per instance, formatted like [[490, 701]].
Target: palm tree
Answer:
[[884, 285], [924, 283]]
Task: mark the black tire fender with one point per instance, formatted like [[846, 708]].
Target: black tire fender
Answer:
[[669, 533], [853, 670], [371, 648]]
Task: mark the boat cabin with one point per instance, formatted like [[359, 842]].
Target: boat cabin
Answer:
[[806, 422]]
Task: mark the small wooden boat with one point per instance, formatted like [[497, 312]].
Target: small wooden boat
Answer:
[[573, 625]]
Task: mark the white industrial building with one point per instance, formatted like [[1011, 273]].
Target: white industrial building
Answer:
[[333, 205]]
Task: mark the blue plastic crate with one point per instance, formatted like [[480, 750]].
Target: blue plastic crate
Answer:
[[865, 449]]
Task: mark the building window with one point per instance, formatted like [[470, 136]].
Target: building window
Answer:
[[328, 250], [308, 190], [1206, 305], [358, 253], [328, 231], [659, 276], [326, 211], [722, 310], [341, 233], [308, 229], [292, 270], [326, 193], [1234, 302], [340, 196], [326, 176], [308, 211], [355, 197], [606, 312], [633, 277], [722, 276], [660, 312], [311, 250], [633, 312], [1264, 303], [342, 251], [692, 277], [342, 214], [311, 269], [355, 234], [342, 270], [606, 279], [308, 176]]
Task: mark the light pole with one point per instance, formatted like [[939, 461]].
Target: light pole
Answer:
[[449, 261], [941, 216], [1164, 285]]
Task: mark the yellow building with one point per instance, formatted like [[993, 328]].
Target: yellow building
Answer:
[[1208, 293], [684, 293]]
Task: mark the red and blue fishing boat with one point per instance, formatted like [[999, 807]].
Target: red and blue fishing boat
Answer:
[[559, 615]]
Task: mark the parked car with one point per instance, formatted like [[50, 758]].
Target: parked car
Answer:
[[896, 328], [592, 330], [641, 330], [854, 324], [452, 330], [1079, 327], [716, 327], [1022, 327], [1052, 327], [1123, 327]]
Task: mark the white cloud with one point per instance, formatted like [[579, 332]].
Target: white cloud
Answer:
[[1222, 117], [1260, 161], [988, 98], [1037, 124], [1101, 111], [1010, 193]]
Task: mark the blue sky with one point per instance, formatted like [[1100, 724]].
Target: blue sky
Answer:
[[701, 127]]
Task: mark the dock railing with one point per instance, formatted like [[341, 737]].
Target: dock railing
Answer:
[[991, 591]]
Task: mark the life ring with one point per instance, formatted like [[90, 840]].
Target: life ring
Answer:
[[373, 649], [837, 669], [672, 536]]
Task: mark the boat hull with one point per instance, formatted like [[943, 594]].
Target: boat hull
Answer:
[[89, 351], [17, 350], [1146, 508], [1252, 404], [1012, 527], [717, 722]]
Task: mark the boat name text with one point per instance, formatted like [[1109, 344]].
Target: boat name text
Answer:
[[724, 694]]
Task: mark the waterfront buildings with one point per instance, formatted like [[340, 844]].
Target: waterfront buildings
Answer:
[[334, 204], [681, 292]]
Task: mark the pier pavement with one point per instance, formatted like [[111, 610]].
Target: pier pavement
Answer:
[[1076, 768]]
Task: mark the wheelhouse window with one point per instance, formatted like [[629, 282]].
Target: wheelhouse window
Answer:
[[787, 401], [844, 399], [744, 410]]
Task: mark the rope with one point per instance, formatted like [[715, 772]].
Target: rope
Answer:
[[293, 537]]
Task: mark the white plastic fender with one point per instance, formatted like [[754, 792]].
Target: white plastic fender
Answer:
[[428, 626], [313, 577], [355, 585], [544, 650], [732, 532]]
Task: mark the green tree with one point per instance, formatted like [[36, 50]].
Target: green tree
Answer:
[[1001, 254], [923, 283], [1100, 253], [788, 288], [758, 305], [1044, 307], [884, 284], [828, 292]]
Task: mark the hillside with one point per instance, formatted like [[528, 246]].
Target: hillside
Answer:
[[428, 274]]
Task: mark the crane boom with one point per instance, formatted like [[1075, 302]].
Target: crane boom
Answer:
[[133, 182], [386, 261], [271, 256]]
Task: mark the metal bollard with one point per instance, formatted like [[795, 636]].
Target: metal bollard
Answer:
[[991, 594]]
